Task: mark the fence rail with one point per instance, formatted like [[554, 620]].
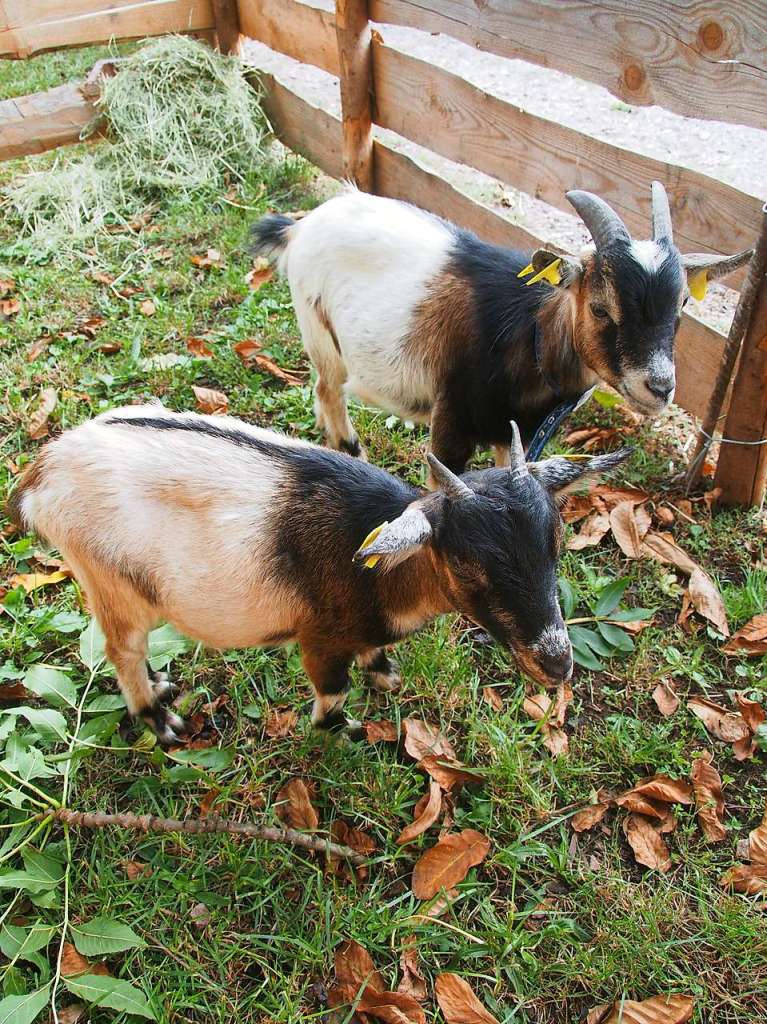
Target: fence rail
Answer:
[[694, 57]]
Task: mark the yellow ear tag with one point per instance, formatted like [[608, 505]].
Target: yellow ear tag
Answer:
[[526, 270], [698, 284], [369, 563], [549, 273]]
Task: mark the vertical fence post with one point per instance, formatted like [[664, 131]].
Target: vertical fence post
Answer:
[[355, 55], [741, 471], [227, 18]]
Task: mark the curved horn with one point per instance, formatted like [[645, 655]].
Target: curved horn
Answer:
[[661, 214], [451, 485], [518, 462], [604, 224]]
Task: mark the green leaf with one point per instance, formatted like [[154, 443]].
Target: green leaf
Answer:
[[213, 758], [52, 685], [99, 729], [632, 614], [568, 596], [26, 762], [17, 943], [165, 644], [92, 644], [14, 982], [587, 659], [105, 702], [616, 636], [43, 866], [23, 1009], [66, 622], [22, 880], [104, 935], [50, 725], [589, 640], [610, 597], [607, 399], [112, 992]]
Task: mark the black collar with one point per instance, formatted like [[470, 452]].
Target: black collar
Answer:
[[552, 422]]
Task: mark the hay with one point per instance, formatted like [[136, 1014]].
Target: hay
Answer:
[[184, 122]]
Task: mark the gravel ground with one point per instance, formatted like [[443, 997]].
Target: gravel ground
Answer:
[[733, 153]]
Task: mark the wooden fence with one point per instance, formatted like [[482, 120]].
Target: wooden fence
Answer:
[[697, 59]]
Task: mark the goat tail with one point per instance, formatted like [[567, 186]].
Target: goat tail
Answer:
[[270, 236]]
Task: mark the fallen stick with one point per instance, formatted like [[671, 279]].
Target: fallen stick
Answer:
[[213, 823]]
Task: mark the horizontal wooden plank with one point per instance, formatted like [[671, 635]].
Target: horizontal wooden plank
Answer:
[[34, 26], [316, 134], [296, 29], [43, 120], [697, 58]]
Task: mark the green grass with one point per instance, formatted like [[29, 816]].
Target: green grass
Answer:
[[609, 928]]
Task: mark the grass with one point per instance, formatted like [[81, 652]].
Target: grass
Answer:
[[545, 929]]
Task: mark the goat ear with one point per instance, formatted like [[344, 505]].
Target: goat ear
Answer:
[[553, 267], [561, 476], [702, 267], [393, 542]]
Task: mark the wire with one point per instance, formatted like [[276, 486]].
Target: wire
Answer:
[[730, 440]]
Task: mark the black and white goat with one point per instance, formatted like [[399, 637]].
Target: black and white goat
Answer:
[[242, 537], [427, 321]]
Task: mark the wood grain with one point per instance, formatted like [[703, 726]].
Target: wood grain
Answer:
[[356, 84], [227, 21], [694, 57], [34, 26], [43, 120], [316, 134], [298, 30]]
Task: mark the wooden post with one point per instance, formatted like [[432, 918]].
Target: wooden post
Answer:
[[741, 471], [227, 17], [355, 54]]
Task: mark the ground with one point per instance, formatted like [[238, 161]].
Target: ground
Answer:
[[547, 927]]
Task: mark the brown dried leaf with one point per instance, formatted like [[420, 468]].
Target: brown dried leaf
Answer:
[[212, 258], [629, 524], [422, 739], [612, 496], [354, 967], [37, 348], [101, 278], [261, 273], [136, 869], [707, 601], [381, 732], [110, 348], [7, 285], [728, 726], [32, 580], [425, 814], [589, 817], [757, 843], [90, 326], [750, 639], [73, 1014], [246, 350], [663, 548], [493, 698], [72, 963], [13, 692], [37, 426], [147, 308], [662, 788], [449, 774], [665, 697], [446, 864], [199, 347], [645, 840], [664, 515], [357, 840], [295, 808], [389, 1007], [412, 983], [268, 365], [9, 307], [458, 1002], [753, 712], [673, 1009], [210, 401], [709, 801], [750, 879], [551, 715], [578, 506], [280, 723], [200, 916], [591, 533]]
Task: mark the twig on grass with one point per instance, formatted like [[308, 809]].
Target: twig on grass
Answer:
[[151, 823]]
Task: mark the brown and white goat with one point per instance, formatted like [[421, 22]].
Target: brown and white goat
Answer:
[[427, 321], [242, 537]]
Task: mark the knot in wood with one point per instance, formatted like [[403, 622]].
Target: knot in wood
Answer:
[[711, 35], [634, 77]]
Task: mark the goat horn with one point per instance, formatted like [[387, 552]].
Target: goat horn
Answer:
[[661, 214], [604, 224], [451, 485], [518, 462]]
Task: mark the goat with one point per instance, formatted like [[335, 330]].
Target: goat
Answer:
[[242, 537], [425, 320]]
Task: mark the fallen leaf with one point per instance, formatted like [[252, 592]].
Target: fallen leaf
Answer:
[[551, 715], [662, 788], [212, 258], [261, 273], [13, 692], [37, 426], [9, 307], [206, 804], [389, 1007], [709, 801], [446, 864], [72, 963], [728, 726], [707, 600], [449, 774], [280, 723], [147, 308], [612, 496], [412, 983], [37, 348], [663, 548], [665, 697], [32, 580], [110, 348], [198, 347], [591, 533], [750, 639], [136, 869], [422, 739], [664, 515], [752, 711], [359, 841], [210, 401], [294, 807], [73, 1014], [749, 879], [493, 698], [7, 285], [200, 916], [269, 366], [578, 506], [629, 523], [757, 843], [645, 840], [354, 966], [247, 349], [589, 817], [458, 1002], [673, 1009], [425, 814], [381, 732], [101, 278], [90, 326]]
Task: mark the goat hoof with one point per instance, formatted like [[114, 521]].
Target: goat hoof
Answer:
[[354, 731], [169, 728], [385, 682], [162, 687]]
